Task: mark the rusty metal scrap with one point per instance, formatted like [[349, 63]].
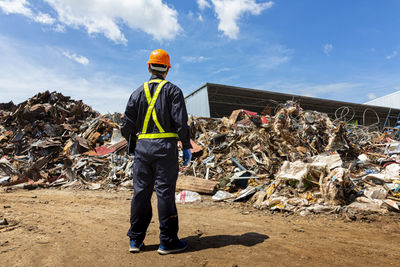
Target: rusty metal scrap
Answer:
[[52, 140]]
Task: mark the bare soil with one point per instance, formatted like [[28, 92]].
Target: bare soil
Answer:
[[88, 228]]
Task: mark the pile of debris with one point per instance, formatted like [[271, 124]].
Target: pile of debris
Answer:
[[51, 140], [296, 161], [291, 160], [263, 143]]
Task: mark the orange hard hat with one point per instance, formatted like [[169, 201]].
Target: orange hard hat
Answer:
[[159, 56]]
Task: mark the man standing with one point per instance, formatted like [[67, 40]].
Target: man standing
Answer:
[[155, 118]]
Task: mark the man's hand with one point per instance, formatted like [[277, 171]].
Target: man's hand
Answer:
[[187, 156]]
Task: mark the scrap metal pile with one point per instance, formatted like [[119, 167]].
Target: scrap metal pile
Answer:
[[289, 160], [51, 140], [297, 161]]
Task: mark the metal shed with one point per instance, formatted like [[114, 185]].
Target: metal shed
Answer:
[[217, 100], [391, 100]]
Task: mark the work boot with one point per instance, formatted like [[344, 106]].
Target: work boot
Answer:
[[134, 247], [178, 247]]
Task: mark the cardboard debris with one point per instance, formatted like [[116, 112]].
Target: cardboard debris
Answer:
[[196, 184]]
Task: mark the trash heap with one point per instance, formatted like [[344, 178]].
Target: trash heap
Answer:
[[296, 161], [291, 160], [52, 140]]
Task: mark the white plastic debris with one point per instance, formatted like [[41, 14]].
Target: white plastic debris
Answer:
[[363, 159], [94, 186], [116, 136], [332, 160], [376, 192], [187, 196], [293, 171], [222, 195], [248, 191], [4, 179], [392, 148], [128, 183], [392, 171]]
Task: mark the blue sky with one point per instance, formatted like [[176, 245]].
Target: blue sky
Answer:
[[96, 50]]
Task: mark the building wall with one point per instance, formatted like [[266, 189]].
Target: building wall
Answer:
[[197, 103], [391, 101]]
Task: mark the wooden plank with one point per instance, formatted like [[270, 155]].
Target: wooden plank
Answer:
[[196, 184]]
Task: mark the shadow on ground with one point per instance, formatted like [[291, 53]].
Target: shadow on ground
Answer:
[[197, 243]]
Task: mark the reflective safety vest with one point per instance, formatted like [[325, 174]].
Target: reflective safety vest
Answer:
[[152, 112]]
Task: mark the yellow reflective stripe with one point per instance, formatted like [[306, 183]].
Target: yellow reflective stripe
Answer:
[[146, 88], [148, 112], [160, 128], [153, 102], [147, 92], [157, 135], [150, 109], [155, 81]]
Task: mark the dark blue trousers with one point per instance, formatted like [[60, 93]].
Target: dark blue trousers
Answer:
[[156, 163]]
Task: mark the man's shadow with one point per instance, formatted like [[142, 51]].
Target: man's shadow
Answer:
[[197, 243]]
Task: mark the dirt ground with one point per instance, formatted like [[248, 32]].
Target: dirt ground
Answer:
[[88, 228]]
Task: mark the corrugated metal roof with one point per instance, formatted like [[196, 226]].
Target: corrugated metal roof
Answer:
[[223, 99], [391, 100]]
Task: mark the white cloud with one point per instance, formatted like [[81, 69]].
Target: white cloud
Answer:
[[230, 11], [203, 4], [16, 7], [107, 17], [371, 96], [104, 16], [44, 19], [222, 70], [80, 59], [198, 59], [394, 53], [22, 7], [327, 48]]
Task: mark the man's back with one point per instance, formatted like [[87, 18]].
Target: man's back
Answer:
[[169, 107]]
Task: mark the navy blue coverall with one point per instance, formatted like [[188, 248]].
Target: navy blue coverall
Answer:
[[156, 160]]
